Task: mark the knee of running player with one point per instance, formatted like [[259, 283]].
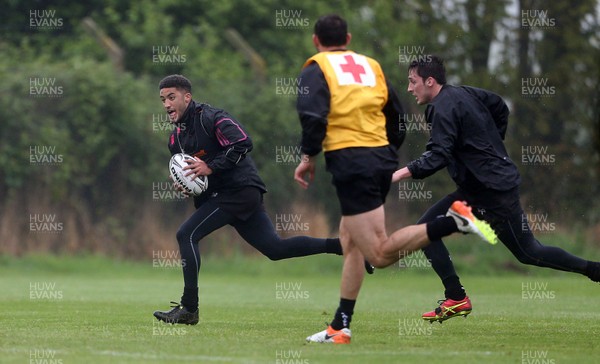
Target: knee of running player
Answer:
[[276, 253], [373, 249], [274, 249], [527, 256], [183, 236], [380, 261], [377, 256]]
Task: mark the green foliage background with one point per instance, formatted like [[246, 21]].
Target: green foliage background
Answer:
[[104, 122]]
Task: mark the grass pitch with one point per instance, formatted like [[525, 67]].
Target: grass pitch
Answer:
[[96, 310]]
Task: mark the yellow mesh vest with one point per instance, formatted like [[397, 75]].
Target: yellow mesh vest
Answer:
[[358, 94]]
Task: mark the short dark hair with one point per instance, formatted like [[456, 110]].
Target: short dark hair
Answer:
[[430, 66], [331, 30], [177, 81]]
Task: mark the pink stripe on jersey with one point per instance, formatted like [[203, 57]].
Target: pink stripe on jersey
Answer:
[[221, 137]]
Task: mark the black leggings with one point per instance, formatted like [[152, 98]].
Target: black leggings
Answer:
[[258, 231], [513, 232]]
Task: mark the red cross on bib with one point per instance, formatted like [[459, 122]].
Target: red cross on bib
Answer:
[[352, 69]]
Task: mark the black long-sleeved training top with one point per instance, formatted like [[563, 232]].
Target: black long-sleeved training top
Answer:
[[468, 126], [214, 136]]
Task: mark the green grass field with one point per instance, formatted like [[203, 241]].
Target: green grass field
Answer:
[[95, 310]]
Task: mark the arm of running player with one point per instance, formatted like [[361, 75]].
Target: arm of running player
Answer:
[[395, 124], [444, 133], [235, 142], [495, 104], [313, 109]]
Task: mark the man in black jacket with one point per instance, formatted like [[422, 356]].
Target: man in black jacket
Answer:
[[220, 147], [468, 126]]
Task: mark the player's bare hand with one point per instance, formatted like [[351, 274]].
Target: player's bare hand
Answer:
[[306, 166], [400, 174], [178, 187], [197, 167]]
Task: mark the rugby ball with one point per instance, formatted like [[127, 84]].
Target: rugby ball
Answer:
[[192, 186]]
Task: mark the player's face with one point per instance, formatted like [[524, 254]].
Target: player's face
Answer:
[[418, 88], [175, 102]]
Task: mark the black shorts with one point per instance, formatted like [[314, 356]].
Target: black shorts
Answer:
[[362, 177]]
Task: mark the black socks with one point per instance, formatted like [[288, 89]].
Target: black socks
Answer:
[[333, 246], [189, 300], [454, 290], [343, 315], [440, 227], [592, 270]]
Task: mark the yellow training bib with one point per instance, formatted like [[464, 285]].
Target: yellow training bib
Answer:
[[358, 94]]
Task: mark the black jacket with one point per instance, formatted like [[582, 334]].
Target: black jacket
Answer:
[[468, 126], [221, 141]]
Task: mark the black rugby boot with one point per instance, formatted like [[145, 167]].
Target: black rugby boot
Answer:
[[177, 315]]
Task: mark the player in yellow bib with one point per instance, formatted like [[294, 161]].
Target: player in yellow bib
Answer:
[[352, 114], [357, 85]]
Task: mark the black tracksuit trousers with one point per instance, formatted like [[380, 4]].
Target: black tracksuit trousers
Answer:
[[508, 220]]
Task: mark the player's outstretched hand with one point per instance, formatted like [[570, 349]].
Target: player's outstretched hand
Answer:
[[400, 174]]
